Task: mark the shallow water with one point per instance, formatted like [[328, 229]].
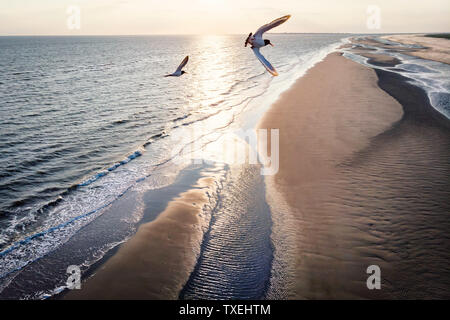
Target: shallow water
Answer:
[[236, 256]]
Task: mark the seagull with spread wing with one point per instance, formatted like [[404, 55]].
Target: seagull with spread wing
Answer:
[[179, 72], [256, 41]]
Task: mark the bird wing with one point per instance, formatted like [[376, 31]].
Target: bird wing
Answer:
[[271, 25], [183, 63], [265, 63]]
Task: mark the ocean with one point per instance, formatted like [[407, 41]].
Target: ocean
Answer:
[[86, 121]]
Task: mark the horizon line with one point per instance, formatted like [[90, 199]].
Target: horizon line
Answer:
[[199, 34]]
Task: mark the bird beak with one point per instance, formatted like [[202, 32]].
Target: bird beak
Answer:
[[271, 44]]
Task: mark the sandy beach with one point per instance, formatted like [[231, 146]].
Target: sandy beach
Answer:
[[324, 118]]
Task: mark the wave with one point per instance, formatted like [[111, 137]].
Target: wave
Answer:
[[181, 118], [103, 173], [17, 245]]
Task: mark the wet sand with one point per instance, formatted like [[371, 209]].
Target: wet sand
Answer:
[[381, 60], [367, 182], [436, 49]]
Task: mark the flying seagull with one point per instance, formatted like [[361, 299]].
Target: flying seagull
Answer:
[[257, 42], [179, 72]]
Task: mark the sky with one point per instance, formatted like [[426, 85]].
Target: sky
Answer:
[[138, 17]]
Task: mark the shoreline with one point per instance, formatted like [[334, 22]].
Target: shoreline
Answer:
[[108, 267], [156, 261], [435, 49], [91, 267]]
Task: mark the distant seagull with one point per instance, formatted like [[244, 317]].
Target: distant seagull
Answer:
[[258, 42], [179, 72]]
